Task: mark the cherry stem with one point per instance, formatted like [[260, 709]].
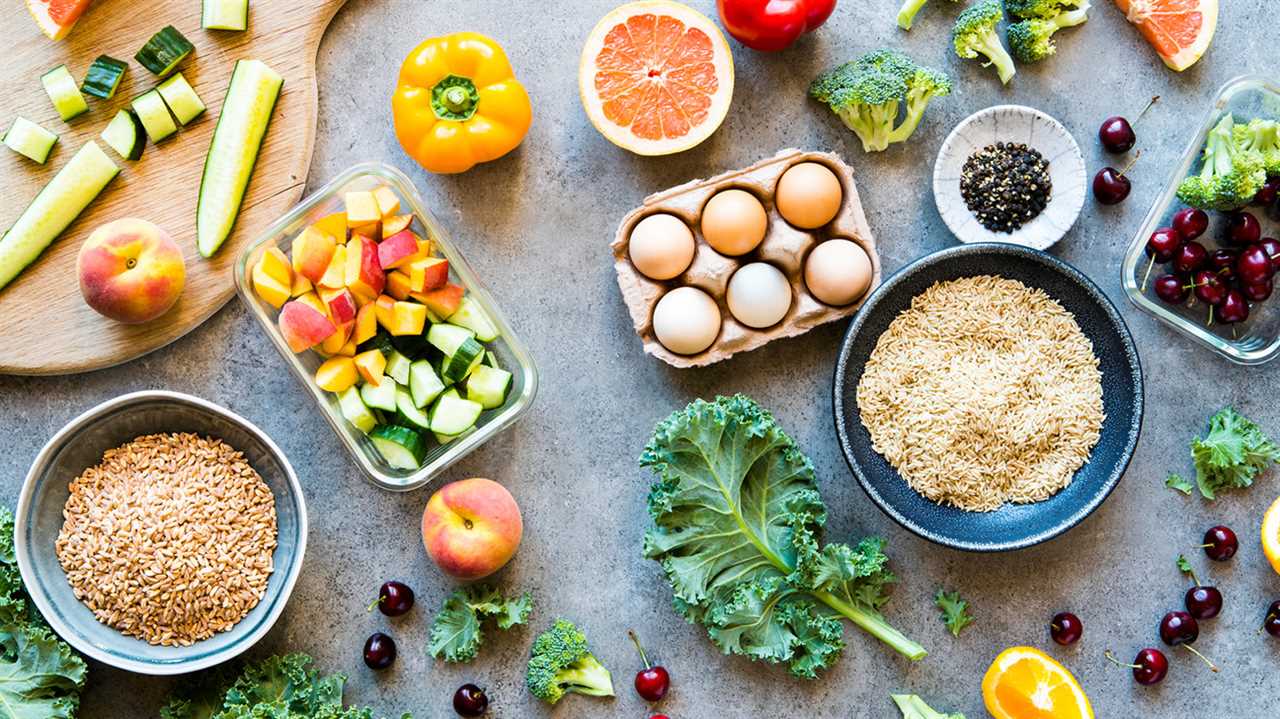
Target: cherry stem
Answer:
[[1210, 322], [636, 641], [1144, 110], [1203, 658], [1112, 658], [1194, 579], [376, 602], [1150, 266], [1129, 166]]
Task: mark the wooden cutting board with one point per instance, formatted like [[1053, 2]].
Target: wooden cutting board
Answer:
[[46, 326]]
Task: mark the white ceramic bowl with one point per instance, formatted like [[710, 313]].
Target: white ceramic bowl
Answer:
[[1012, 123], [79, 446]]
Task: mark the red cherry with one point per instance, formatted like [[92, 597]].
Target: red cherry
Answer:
[[1190, 222], [652, 682]]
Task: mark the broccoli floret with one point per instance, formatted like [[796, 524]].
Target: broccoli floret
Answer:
[[1042, 9], [907, 13], [1032, 40], [1230, 175], [975, 34], [867, 94], [1262, 137], [560, 663]]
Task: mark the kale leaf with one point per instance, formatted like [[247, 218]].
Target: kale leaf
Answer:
[[1176, 481], [456, 632], [1232, 454], [954, 611]]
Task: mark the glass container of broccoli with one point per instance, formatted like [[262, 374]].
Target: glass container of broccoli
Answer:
[[560, 663], [975, 34], [868, 95]]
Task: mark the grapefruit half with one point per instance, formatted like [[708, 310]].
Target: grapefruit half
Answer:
[[656, 77], [57, 17], [1179, 30]]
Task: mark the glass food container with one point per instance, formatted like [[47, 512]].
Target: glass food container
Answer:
[[1256, 340], [511, 353]]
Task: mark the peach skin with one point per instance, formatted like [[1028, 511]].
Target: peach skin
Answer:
[[471, 528], [130, 271]]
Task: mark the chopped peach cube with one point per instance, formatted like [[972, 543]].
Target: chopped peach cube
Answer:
[[312, 251], [385, 309], [398, 285], [337, 374], [388, 203], [370, 365], [335, 274], [332, 344], [276, 265], [408, 318], [362, 209], [349, 349], [428, 273], [269, 288], [363, 273], [301, 286], [395, 223], [303, 326], [442, 302], [366, 324], [342, 306], [334, 225]]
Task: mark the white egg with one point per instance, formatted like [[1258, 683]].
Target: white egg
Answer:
[[759, 295], [686, 320], [838, 272]]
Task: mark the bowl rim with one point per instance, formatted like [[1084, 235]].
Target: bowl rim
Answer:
[[1085, 509], [22, 551], [940, 183]]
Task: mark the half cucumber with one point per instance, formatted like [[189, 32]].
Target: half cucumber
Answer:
[[56, 207], [64, 92], [246, 111], [225, 15], [151, 110], [29, 139], [183, 101], [164, 51], [103, 77], [402, 447], [126, 135]]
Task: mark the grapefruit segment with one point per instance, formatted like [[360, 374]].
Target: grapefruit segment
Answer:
[[56, 17], [1179, 30], [656, 77]]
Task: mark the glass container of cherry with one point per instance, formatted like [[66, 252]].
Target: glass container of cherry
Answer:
[[1210, 274]]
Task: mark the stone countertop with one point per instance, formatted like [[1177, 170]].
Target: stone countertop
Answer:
[[536, 225]]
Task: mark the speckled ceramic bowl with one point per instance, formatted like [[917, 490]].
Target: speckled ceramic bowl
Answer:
[[1012, 526], [79, 446], [1012, 123]]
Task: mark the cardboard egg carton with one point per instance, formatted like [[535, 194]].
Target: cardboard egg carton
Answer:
[[784, 246]]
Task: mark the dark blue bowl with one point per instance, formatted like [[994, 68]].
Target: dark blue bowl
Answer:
[[1013, 526]]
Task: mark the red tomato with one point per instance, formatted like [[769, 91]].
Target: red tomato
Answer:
[[771, 25]]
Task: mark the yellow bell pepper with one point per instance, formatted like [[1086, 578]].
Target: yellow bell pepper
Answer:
[[458, 103]]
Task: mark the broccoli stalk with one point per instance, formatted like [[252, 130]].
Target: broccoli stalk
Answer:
[[1031, 40], [866, 94], [975, 34], [1230, 174], [560, 663], [907, 13]]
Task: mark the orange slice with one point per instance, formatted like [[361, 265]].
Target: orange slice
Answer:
[[56, 17], [1026, 683], [656, 77], [1179, 30], [1271, 535]]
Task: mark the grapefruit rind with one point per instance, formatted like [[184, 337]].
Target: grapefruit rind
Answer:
[[622, 136]]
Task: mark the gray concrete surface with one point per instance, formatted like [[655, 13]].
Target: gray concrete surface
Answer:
[[536, 225]]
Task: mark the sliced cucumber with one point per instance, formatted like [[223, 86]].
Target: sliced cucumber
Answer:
[[164, 51], [183, 101], [491, 359], [64, 93], [460, 364], [225, 15], [355, 410], [488, 386], [402, 447], [472, 316], [453, 415], [103, 77], [381, 395], [151, 110], [424, 383], [448, 338], [57, 205], [409, 414], [246, 111], [126, 135], [29, 139], [398, 367]]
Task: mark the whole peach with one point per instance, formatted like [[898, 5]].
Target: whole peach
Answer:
[[130, 271], [471, 528]]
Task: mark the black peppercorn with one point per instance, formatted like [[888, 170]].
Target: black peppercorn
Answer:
[[1005, 185]]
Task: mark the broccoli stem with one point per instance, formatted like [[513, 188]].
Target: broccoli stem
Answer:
[[998, 56], [588, 676], [875, 625], [907, 14]]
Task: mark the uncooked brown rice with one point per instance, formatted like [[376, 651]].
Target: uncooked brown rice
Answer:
[[169, 538], [984, 392]]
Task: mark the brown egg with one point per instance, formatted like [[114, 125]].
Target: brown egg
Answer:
[[661, 246], [734, 222], [837, 272], [809, 195]]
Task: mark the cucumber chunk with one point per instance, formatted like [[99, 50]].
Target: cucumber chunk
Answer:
[[225, 15], [29, 139], [424, 383], [164, 51], [460, 364], [246, 112], [448, 338], [472, 316], [444, 439], [491, 359], [488, 386], [380, 396], [64, 92], [126, 135], [453, 415], [183, 101], [411, 346], [409, 414], [153, 113], [103, 77], [56, 207], [402, 447], [355, 410], [398, 367]]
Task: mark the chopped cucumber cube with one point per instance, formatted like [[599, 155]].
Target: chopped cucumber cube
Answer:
[[424, 383], [182, 100], [29, 139], [64, 92], [154, 114], [402, 447], [474, 318], [225, 15], [410, 415], [355, 411], [398, 367], [164, 51], [453, 415], [460, 364], [381, 395], [103, 77], [488, 386], [448, 338]]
